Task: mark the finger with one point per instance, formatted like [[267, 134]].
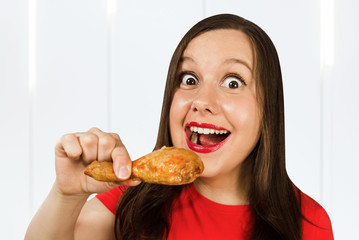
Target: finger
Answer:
[[106, 144], [130, 183], [117, 137], [89, 142], [105, 186], [94, 130], [69, 146], [122, 163]]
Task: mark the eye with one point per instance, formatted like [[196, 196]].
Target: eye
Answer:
[[233, 82], [188, 79]]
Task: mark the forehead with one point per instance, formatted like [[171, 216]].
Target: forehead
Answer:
[[222, 44]]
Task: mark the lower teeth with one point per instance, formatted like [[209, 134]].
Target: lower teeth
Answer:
[[194, 138]]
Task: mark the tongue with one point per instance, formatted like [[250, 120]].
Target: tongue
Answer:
[[211, 139]]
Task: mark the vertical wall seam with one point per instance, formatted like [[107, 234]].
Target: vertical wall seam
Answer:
[[322, 145], [108, 55], [32, 77], [109, 74], [327, 37], [204, 8], [111, 13]]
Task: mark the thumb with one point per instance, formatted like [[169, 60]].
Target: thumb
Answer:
[[122, 163]]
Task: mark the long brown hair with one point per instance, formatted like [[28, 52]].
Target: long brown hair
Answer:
[[143, 211]]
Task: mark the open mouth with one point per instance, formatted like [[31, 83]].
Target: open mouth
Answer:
[[205, 137]]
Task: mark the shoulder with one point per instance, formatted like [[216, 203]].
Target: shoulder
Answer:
[[316, 223], [95, 222]]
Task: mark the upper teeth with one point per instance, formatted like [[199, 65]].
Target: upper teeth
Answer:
[[207, 130]]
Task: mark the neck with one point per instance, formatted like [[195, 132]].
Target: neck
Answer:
[[228, 189]]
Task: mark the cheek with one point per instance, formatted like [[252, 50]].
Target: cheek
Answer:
[[175, 109], [178, 111], [181, 103], [243, 113]]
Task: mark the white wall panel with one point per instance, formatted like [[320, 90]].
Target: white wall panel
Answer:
[[110, 72], [344, 123], [14, 120], [144, 38], [293, 27], [71, 89]]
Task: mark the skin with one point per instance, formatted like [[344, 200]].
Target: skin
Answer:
[[67, 214], [211, 57]]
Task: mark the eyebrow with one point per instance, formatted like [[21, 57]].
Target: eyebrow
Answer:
[[187, 59], [227, 61], [238, 61]]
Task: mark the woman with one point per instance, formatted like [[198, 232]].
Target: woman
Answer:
[[223, 100]]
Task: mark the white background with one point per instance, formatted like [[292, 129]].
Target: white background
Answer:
[[66, 66]]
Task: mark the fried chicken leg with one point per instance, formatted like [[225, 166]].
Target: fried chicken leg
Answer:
[[168, 165]]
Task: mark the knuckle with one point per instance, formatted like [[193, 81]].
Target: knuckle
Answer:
[[94, 129], [89, 139], [107, 141], [116, 136], [68, 137], [74, 154]]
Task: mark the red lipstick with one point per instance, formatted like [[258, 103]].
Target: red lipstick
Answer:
[[204, 148]]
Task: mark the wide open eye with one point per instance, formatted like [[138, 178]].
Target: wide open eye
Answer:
[[233, 82], [188, 79]]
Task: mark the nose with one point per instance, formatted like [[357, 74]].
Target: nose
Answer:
[[206, 101]]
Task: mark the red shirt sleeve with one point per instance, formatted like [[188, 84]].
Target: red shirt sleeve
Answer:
[[111, 198], [318, 225]]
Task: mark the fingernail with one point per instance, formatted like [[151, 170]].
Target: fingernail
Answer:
[[123, 173]]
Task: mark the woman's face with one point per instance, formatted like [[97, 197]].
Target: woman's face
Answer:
[[214, 111]]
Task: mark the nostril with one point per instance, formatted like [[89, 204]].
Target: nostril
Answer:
[[196, 109], [203, 107]]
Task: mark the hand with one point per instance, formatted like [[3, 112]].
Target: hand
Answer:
[[75, 151]]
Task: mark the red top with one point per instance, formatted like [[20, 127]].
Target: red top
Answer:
[[196, 217]]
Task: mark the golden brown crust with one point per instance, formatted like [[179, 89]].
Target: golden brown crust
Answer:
[[169, 166], [101, 171]]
